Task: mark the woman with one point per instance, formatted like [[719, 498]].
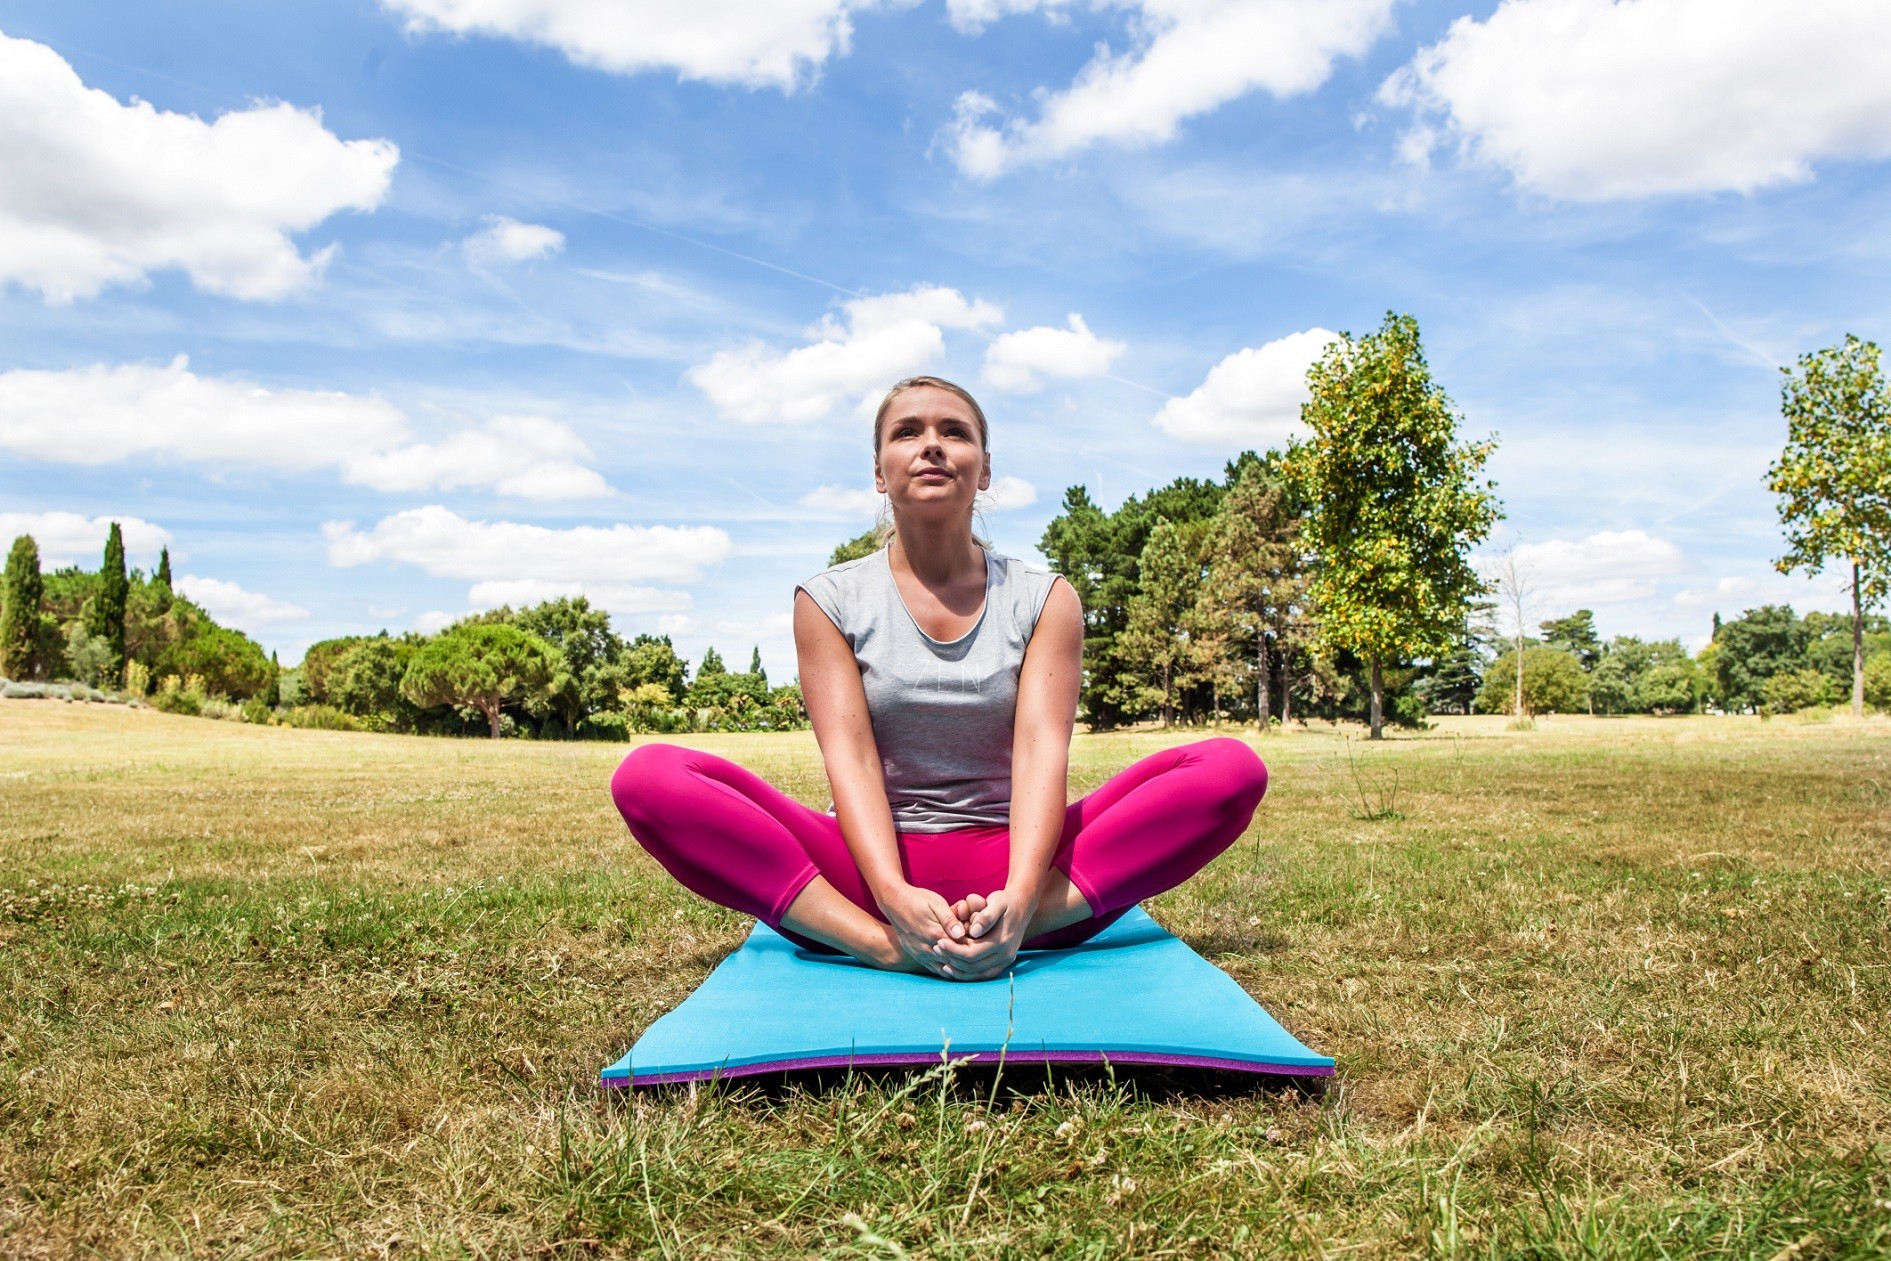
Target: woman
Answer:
[[941, 680]]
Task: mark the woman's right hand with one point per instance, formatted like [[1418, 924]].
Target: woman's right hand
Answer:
[[920, 919]]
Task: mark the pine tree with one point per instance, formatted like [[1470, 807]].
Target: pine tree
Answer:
[[712, 665], [107, 619], [163, 576], [19, 617]]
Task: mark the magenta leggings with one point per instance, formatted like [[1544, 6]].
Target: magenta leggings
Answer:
[[729, 835]]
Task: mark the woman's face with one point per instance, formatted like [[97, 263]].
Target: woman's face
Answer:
[[930, 454]]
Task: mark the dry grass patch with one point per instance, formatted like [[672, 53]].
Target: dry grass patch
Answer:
[[1605, 988]]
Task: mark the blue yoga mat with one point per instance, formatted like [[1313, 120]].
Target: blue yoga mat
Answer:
[[1132, 994]]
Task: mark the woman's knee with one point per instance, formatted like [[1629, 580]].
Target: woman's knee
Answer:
[[1234, 768], [639, 784]]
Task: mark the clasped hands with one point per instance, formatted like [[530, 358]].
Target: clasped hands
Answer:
[[973, 939]]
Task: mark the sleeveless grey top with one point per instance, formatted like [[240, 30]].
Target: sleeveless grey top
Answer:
[[942, 712]]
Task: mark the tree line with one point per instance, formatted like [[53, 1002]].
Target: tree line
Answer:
[[556, 669]]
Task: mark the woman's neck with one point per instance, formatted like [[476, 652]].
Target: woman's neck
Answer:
[[938, 557]]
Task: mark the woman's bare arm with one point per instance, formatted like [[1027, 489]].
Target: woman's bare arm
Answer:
[[1048, 684]]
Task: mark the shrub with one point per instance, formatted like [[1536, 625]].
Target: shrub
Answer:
[[1878, 683], [320, 718], [1789, 691], [1553, 683], [137, 678], [217, 707], [175, 697], [605, 726]]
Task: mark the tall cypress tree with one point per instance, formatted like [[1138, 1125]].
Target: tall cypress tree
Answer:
[[755, 665], [19, 617], [163, 576], [108, 605]]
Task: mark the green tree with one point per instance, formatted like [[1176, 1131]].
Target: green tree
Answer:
[[482, 666], [161, 581], [652, 659], [366, 681], [1834, 477], [1255, 583], [1393, 502], [755, 665], [230, 663], [1159, 641], [712, 664], [106, 619], [1751, 649], [1552, 683], [591, 676], [865, 544], [20, 618], [1575, 635]]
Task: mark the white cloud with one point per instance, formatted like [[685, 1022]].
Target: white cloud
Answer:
[[66, 538], [1017, 360], [528, 457], [884, 337], [233, 606], [1251, 398], [505, 240], [445, 544], [1722, 591], [101, 414], [99, 193], [1010, 492], [1609, 567], [1591, 100], [843, 501], [756, 43], [1190, 57], [972, 16]]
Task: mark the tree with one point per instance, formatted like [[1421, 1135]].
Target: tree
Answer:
[[106, 619], [1514, 589], [1157, 640], [592, 675], [366, 681], [860, 545], [652, 659], [1576, 635], [1552, 683], [712, 664], [482, 666], [161, 580], [1834, 477], [20, 617], [755, 666], [1393, 504], [1751, 649], [1255, 580]]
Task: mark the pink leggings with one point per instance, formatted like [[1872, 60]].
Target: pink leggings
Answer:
[[727, 834]]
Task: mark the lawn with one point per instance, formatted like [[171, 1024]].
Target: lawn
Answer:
[[1605, 988]]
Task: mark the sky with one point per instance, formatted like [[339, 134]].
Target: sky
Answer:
[[379, 313]]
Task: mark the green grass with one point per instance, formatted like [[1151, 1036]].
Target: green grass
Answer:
[[1603, 988]]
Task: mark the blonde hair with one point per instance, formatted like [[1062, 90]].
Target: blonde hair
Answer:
[[884, 526], [937, 383]]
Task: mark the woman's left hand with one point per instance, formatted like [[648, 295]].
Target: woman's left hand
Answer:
[[994, 931]]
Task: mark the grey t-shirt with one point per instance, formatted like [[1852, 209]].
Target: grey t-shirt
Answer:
[[942, 712]]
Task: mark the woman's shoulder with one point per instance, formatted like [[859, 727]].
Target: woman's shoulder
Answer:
[[1028, 586], [840, 589]]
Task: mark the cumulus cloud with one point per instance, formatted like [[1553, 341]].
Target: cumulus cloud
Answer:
[[1609, 567], [1017, 361], [755, 43], [1726, 589], [1010, 492], [973, 16], [1190, 57], [505, 240], [1251, 398], [101, 414], [445, 544], [67, 538], [100, 193], [232, 605], [528, 457], [843, 501], [1591, 100], [850, 361]]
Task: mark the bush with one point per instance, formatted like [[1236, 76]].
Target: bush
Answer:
[[175, 697], [605, 726], [1790, 691], [1553, 683], [319, 718], [218, 708]]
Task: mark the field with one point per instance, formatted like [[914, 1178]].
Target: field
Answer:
[[1604, 988]]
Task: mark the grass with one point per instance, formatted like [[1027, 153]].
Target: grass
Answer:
[[1604, 988]]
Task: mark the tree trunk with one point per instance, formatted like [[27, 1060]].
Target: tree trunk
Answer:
[[1519, 706], [492, 716], [1286, 694], [1378, 702], [1168, 709], [1858, 649], [1260, 680]]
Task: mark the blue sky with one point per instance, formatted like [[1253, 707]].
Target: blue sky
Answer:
[[382, 312]]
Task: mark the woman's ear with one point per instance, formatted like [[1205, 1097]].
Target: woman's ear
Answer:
[[984, 476], [879, 477]]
